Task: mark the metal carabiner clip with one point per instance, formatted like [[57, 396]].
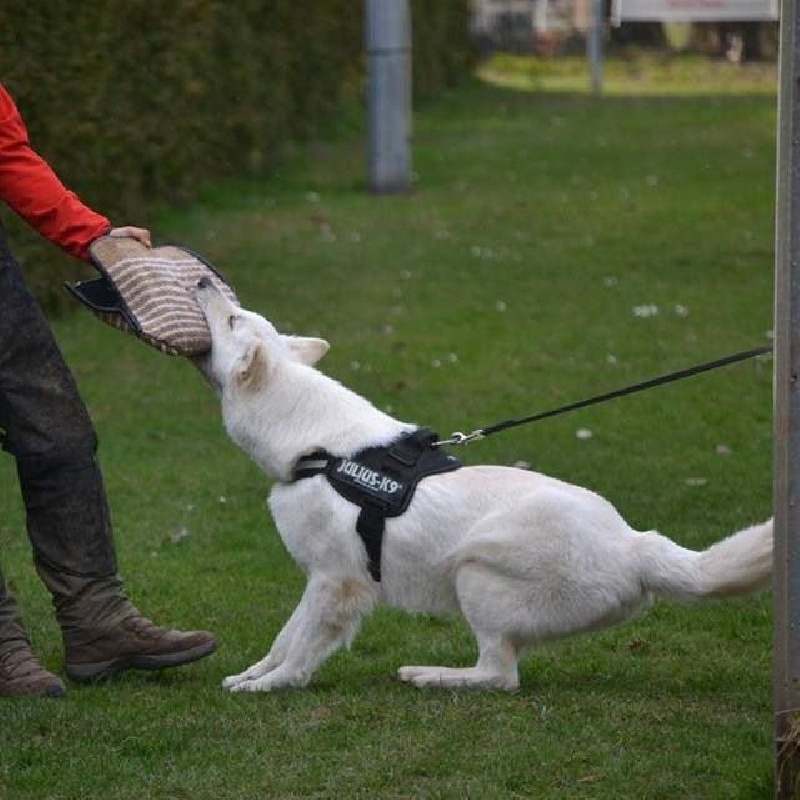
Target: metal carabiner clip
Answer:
[[459, 438]]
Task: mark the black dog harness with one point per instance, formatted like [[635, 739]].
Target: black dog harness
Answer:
[[381, 480]]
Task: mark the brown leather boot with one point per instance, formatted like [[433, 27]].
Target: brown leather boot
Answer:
[[104, 633], [22, 674], [134, 643]]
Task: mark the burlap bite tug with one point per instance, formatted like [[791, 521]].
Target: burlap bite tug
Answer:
[[150, 293]]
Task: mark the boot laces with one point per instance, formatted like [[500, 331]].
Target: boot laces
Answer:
[[141, 627]]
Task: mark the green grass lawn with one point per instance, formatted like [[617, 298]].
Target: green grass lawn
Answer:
[[556, 246], [632, 71]]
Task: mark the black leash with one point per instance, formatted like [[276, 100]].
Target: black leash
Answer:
[[481, 433]]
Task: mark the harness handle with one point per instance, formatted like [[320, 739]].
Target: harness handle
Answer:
[[458, 438]]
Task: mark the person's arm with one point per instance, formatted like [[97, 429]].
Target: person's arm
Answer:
[[33, 190]]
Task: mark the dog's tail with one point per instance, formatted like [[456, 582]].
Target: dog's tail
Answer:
[[738, 565]]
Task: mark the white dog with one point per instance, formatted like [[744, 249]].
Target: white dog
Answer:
[[522, 556]]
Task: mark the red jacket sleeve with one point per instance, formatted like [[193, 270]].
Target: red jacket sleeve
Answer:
[[31, 188]]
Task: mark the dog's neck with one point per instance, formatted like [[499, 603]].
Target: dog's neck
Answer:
[[302, 410]]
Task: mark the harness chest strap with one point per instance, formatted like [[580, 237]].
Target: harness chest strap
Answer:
[[380, 480]]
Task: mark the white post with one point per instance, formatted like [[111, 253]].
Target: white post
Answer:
[[388, 35], [787, 415]]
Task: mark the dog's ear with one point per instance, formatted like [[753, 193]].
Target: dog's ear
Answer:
[[307, 349], [251, 368]]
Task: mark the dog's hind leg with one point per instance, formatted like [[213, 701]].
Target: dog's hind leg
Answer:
[[498, 654], [496, 668]]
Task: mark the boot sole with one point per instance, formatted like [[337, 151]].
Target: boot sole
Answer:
[[53, 690], [102, 670]]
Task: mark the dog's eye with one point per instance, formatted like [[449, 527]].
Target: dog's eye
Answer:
[[232, 321]]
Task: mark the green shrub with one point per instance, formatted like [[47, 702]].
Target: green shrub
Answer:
[[138, 103]]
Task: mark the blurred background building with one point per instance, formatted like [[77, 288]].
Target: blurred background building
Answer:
[[559, 27]]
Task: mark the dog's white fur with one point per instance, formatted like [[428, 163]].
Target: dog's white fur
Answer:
[[522, 556]]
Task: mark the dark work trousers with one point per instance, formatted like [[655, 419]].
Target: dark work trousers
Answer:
[[45, 426]]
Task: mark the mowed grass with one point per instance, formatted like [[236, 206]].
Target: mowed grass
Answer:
[[556, 246]]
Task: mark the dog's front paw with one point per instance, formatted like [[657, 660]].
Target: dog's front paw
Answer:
[[233, 680], [249, 674], [277, 679], [257, 670], [256, 685]]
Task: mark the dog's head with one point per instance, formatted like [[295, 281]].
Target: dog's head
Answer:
[[245, 347]]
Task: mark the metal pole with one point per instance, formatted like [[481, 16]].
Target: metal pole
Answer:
[[388, 34], [787, 415], [595, 46]]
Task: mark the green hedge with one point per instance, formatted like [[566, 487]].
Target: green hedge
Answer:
[[138, 103]]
